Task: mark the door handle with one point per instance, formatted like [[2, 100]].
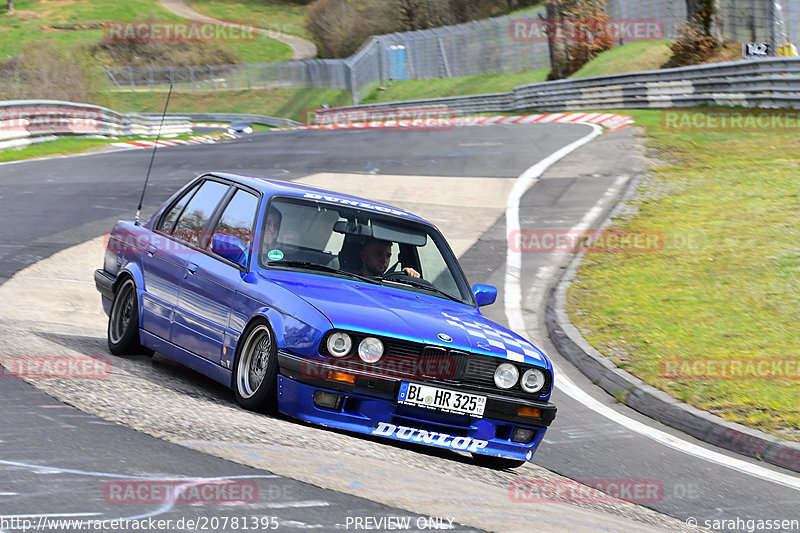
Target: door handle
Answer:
[[191, 268], [151, 250]]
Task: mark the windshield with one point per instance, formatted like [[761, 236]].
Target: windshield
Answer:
[[337, 240]]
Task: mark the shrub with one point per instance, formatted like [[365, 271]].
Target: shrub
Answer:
[[691, 48], [45, 71], [158, 54]]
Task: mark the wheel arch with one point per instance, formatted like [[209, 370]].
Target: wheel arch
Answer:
[[273, 319], [132, 271]]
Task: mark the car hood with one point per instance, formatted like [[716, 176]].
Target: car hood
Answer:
[[402, 314]]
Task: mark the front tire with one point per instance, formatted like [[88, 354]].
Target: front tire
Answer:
[[256, 370], [496, 463], [123, 321]]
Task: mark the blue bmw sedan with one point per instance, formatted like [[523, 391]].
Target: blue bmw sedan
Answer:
[[329, 308]]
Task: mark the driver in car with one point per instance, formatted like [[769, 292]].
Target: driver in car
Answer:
[[375, 257]]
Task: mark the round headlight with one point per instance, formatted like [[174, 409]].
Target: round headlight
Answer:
[[370, 350], [532, 380], [506, 376], [339, 344]]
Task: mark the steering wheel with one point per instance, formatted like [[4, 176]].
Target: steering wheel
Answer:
[[402, 276]]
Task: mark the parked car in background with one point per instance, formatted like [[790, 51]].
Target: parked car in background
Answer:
[[240, 128]]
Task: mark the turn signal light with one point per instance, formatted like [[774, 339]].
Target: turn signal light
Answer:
[[341, 376], [531, 412]]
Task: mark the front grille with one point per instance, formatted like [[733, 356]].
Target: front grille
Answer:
[[480, 370], [411, 360]]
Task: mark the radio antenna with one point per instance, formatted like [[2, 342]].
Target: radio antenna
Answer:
[[152, 157]]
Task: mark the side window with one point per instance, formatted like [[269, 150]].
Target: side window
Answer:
[[168, 222], [200, 208], [238, 218]]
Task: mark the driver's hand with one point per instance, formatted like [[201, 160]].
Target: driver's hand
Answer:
[[408, 271]]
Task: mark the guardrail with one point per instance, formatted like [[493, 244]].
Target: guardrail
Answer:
[[766, 83], [264, 120], [23, 122]]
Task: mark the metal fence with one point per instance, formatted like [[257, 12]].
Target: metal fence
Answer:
[[766, 83], [327, 73], [481, 47]]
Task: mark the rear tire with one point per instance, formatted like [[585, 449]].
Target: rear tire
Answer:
[[256, 369], [496, 463], [123, 320]]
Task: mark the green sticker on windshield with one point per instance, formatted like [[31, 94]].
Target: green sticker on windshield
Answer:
[[275, 255]]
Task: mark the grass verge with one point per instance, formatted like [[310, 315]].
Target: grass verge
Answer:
[[485, 83], [287, 103], [62, 146], [643, 55], [70, 23], [277, 16], [78, 145], [724, 290]]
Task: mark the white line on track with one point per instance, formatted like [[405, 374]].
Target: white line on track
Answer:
[[513, 290], [298, 505], [513, 309]]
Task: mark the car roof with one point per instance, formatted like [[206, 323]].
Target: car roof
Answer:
[[272, 187]]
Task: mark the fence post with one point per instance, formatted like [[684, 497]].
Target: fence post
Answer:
[[150, 76], [499, 43], [773, 27], [351, 82], [467, 55], [515, 44], [191, 77], [484, 55], [381, 61], [133, 84], [108, 73]]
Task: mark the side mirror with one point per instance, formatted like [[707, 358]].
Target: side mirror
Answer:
[[484, 294], [229, 247]]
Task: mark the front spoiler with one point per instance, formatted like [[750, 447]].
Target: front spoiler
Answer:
[[385, 418]]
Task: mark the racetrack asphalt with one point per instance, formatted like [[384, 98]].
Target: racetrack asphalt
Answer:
[[38, 202]]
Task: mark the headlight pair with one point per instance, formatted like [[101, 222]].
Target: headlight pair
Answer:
[[370, 349], [507, 375]]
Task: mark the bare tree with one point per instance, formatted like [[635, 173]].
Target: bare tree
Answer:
[[704, 17], [10, 6]]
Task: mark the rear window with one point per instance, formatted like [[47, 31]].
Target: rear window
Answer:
[[195, 216]]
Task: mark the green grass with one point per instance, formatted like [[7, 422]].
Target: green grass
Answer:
[[628, 58], [278, 16], [726, 286], [287, 103], [644, 55], [33, 21], [62, 146], [482, 84]]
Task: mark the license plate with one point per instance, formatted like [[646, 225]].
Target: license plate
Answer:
[[444, 400]]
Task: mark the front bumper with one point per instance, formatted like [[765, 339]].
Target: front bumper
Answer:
[[104, 283], [369, 406]]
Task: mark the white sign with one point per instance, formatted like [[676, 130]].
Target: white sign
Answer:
[[755, 50]]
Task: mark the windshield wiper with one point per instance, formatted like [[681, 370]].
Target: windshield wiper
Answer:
[[426, 286], [324, 268]]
